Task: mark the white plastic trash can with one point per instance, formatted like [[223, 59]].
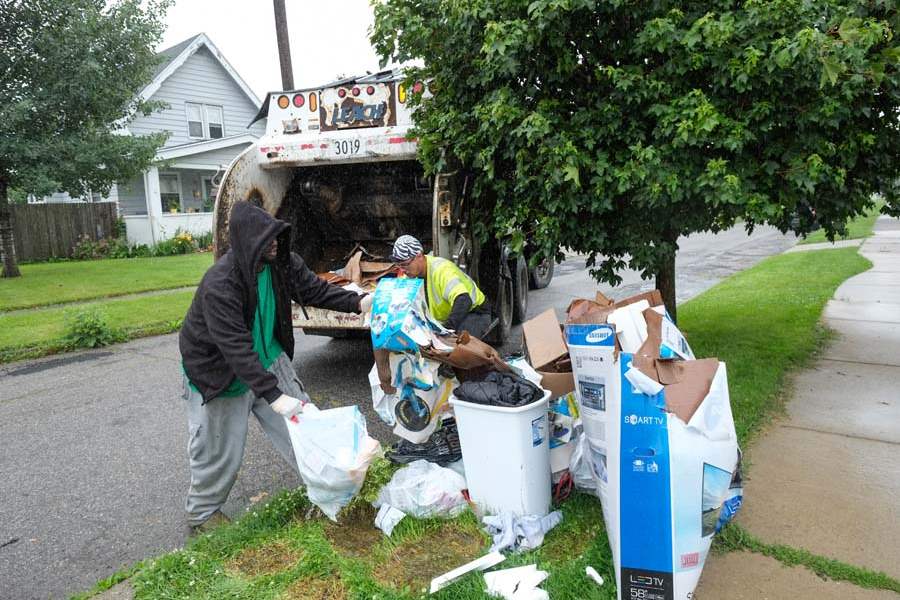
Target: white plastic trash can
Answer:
[[506, 453]]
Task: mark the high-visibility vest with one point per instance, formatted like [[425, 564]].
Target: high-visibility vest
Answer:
[[446, 281]]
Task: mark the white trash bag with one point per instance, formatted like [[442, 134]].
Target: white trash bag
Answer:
[[333, 452], [425, 490]]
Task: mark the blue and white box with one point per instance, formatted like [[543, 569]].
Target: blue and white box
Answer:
[[666, 485]]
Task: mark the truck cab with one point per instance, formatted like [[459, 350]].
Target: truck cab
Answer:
[[338, 162]]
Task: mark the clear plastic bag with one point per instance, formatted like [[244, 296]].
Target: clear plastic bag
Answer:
[[333, 452], [425, 490]]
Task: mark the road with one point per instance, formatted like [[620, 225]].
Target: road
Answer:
[[93, 467]]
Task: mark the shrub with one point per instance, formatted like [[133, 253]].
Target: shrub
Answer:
[[88, 328]]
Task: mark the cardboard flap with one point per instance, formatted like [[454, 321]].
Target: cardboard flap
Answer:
[[653, 297], [694, 378], [602, 300], [544, 339], [646, 357], [352, 270]]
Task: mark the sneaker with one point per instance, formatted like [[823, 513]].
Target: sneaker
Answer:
[[217, 519]]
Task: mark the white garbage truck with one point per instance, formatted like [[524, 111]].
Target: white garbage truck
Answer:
[[338, 163]]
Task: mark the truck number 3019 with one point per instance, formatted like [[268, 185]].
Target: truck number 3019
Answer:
[[346, 147]]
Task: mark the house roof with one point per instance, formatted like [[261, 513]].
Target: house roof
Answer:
[[174, 56]]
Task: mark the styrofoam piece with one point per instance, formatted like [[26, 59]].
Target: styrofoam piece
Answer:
[[479, 564], [518, 583], [593, 574], [631, 327], [517, 440]]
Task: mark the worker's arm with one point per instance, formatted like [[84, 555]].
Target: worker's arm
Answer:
[[309, 290], [461, 307]]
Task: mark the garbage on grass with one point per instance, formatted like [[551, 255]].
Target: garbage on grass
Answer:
[[660, 440], [518, 583], [424, 490], [441, 447], [479, 564], [387, 518], [593, 574], [519, 533], [333, 452]]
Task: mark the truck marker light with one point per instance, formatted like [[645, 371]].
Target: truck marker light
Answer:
[[418, 87], [370, 90], [401, 94], [283, 101], [299, 100], [342, 92], [355, 91], [313, 102]]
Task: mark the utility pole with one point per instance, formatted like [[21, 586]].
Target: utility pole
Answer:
[[284, 46]]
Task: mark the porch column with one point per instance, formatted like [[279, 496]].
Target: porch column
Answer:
[[154, 204]]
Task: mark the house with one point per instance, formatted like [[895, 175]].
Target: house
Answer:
[[208, 111]]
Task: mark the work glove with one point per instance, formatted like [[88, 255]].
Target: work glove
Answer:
[[309, 408], [365, 304], [287, 406]]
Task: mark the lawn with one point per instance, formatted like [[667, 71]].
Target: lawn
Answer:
[[763, 322], [860, 227], [42, 284], [29, 334]]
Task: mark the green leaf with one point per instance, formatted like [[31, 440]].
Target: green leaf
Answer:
[[571, 174]]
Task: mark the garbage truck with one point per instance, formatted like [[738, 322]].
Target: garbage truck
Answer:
[[338, 163]]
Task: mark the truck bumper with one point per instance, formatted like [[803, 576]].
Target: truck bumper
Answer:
[[321, 319]]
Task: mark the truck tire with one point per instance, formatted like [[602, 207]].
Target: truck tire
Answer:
[[504, 308], [521, 283], [542, 274]]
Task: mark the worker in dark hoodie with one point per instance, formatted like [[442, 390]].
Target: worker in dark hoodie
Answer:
[[236, 346]]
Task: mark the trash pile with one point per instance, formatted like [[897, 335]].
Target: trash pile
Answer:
[[358, 275], [613, 401]]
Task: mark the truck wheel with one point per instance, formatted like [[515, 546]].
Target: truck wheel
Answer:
[[542, 274], [520, 285], [504, 308]]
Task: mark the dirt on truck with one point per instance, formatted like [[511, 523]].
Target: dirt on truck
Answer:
[[336, 161]]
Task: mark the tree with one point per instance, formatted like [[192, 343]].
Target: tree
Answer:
[[614, 127], [70, 71]]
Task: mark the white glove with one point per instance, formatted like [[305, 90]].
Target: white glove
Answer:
[[287, 406], [309, 408], [365, 305]]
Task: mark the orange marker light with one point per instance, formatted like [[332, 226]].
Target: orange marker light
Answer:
[[313, 102], [283, 101]]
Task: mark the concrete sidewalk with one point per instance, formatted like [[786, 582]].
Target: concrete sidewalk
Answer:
[[827, 478]]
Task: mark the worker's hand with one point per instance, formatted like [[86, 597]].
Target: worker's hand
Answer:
[[309, 408], [388, 389], [365, 304], [287, 406]]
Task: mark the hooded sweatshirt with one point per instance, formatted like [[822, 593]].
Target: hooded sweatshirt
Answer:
[[216, 339]]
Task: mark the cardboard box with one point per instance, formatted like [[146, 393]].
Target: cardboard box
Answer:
[[546, 350]]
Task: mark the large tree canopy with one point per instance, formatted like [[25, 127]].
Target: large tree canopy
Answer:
[[70, 71], [613, 127]]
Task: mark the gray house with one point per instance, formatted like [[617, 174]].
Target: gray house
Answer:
[[208, 109]]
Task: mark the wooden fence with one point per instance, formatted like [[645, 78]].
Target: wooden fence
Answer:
[[45, 231]]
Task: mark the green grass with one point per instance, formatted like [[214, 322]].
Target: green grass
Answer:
[[42, 284], [734, 537], [860, 227], [763, 322], [40, 332]]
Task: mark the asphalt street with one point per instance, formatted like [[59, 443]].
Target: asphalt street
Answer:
[[93, 467]]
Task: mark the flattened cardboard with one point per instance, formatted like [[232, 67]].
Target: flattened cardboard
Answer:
[[544, 339], [558, 384]]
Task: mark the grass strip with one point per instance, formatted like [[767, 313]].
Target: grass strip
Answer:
[[42, 332], [43, 284], [763, 322], [860, 227], [735, 537]]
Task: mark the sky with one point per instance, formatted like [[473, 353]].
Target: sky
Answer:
[[328, 37]]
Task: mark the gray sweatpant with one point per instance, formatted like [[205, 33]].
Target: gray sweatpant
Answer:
[[217, 432]]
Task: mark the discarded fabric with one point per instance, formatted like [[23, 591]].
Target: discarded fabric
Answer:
[[424, 490], [499, 389], [519, 533]]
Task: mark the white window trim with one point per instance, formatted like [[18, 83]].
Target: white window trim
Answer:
[[180, 196], [204, 121]]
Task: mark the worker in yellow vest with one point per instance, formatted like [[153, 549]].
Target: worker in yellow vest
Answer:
[[453, 298]]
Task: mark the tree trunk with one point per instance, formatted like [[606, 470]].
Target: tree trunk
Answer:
[[665, 283], [7, 245]]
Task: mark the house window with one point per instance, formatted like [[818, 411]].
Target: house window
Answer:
[[209, 197], [195, 120], [214, 122], [205, 121], [170, 192]]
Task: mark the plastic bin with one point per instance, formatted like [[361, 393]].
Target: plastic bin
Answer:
[[506, 453]]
